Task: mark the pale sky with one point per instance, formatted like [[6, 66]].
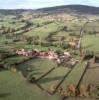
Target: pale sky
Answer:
[[34, 4]]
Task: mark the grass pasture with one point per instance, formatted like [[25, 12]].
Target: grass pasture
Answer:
[[16, 85], [43, 31], [90, 42], [38, 66], [75, 75]]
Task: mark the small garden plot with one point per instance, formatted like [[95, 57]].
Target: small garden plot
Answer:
[[75, 75], [36, 67], [53, 78]]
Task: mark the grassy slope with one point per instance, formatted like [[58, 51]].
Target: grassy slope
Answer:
[[7, 24], [53, 78], [91, 42], [38, 66], [75, 75], [14, 87], [43, 31]]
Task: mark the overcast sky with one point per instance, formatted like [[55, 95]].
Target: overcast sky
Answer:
[[34, 4]]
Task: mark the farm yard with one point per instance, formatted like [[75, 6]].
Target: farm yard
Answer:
[[40, 58]]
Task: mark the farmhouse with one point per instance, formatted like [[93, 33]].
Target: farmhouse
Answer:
[[67, 53], [73, 61], [72, 44], [22, 52]]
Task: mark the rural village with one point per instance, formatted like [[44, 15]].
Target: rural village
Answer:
[[50, 53]]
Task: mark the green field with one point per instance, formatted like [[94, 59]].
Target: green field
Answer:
[[91, 42], [16, 85]]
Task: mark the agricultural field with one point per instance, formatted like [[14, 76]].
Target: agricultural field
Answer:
[[26, 77]]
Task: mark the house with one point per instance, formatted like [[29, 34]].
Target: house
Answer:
[[67, 53], [22, 52], [51, 55], [34, 53], [72, 62], [72, 44]]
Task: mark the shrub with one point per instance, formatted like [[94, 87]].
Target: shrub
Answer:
[[36, 43], [6, 42], [65, 46], [31, 78], [16, 40], [46, 44], [59, 52]]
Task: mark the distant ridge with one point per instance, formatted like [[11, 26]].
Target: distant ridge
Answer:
[[83, 9]]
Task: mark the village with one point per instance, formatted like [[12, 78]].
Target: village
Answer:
[[66, 56], [50, 53]]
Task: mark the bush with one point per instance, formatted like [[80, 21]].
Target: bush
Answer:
[[6, 42], [31, 78], [36, 43], [65, 46], [7, 66], [59, 52], [16, 40], [46, 44]]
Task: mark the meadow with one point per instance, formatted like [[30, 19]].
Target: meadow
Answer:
[[44, 35]]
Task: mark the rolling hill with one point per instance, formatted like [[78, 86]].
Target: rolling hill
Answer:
[[72, 9], [82, 9]]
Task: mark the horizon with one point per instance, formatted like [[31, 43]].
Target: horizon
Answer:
[[46, 7], [37, 4]]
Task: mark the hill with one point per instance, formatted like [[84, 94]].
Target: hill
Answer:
[[82, 9]]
